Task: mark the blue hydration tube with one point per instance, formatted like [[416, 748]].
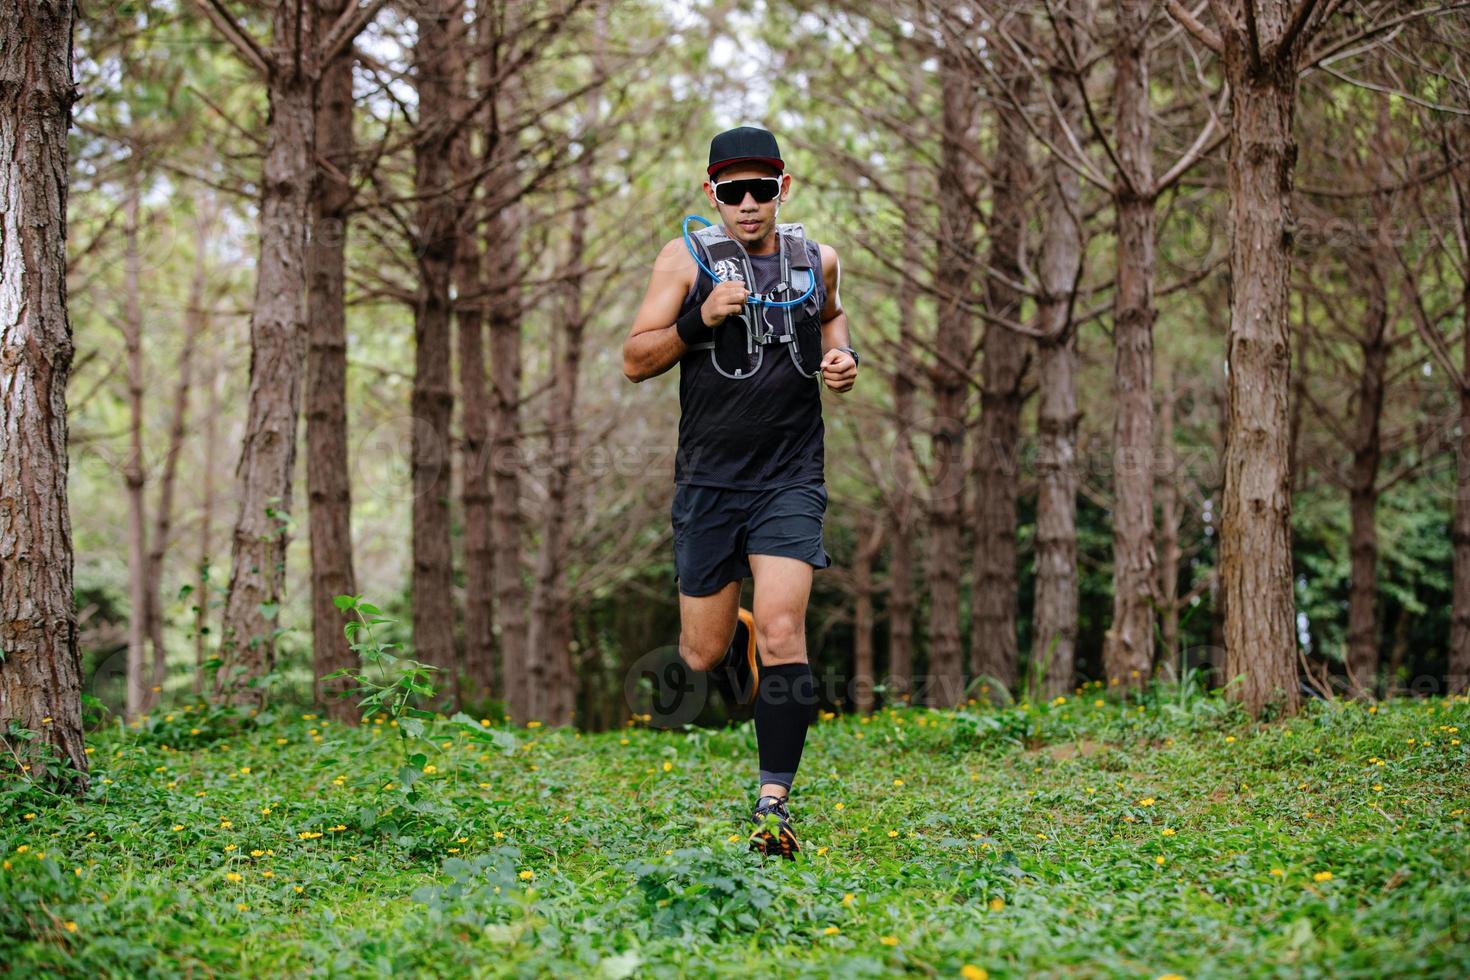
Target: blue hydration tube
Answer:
[[754, 299]]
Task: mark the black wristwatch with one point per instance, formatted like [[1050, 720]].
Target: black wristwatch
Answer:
[[857, 361]]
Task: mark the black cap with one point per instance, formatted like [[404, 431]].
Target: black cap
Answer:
[[742, 144]]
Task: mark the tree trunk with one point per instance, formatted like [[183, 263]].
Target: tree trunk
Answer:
[[439, 68], [551, 682], [1458, 671], [906, 508], [1362, 636], [993, 647], [1170, 516], [862, 616], [1128, 649], [1255, 546], [1054, 630], [328, 480], [953, 279], [204, 581], [133, 470], [41, 674], [503, 265], [196, 319], [277, 358], [476, 675]]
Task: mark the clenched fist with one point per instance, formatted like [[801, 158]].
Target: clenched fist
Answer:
[[839, 370], [726, 299]]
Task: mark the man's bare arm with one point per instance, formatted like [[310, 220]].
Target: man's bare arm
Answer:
[[839, 370], [653, 345]]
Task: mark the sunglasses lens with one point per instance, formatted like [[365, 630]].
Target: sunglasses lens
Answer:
[[763, 189]]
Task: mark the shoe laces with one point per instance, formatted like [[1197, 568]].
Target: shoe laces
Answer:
[[776, 806]]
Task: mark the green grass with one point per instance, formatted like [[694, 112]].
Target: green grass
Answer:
[[1079, 839]]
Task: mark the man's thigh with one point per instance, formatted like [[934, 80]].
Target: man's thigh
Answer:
[[707, 622], [782, 587]]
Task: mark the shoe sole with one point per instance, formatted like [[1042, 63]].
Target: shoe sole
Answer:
[[782, 843]]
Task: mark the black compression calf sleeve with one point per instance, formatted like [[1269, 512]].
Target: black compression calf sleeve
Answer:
[[785, 700]]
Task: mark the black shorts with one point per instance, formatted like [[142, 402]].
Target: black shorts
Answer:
[[715, 529]]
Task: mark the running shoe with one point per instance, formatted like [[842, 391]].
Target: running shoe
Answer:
[[773, 833]]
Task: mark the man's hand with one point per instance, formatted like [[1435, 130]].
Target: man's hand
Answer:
[[726, 299], [839, 370]]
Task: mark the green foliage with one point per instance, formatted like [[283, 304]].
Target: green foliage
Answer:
[[397, 680], [1088, 836]]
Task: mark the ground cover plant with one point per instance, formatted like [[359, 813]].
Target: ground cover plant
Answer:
[[1088, 836]]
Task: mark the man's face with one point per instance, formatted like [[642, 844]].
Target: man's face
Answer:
[[749, 222]]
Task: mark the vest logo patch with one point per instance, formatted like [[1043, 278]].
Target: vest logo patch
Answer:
[[727, 269]]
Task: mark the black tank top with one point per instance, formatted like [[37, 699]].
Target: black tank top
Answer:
[[754, 433]]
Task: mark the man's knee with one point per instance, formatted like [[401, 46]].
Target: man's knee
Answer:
[[698, 657], [781, 638]]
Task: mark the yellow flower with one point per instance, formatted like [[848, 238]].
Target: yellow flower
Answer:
[[267, 874], [1171, 976], [1159, 860], [997, 903], [533, 724], [1229, 739], [431, 768], [1041, 837], [1322, 876], [308, 835], [68, 925], [21, 849], [229, 847], [498, 835], [244, 770], [243, 907], [838, 806], [848, 898], [821, 851], [225, 824], [527, 875], [889, 940], [1167, 832], [831, 931], [971, 972], [893, 833], [233, 876], [1146, 801], [622, 741], [257, 853], [668, 767], [28, 816], [298, 888], [898, 782], [733, 838], [1278, 872]]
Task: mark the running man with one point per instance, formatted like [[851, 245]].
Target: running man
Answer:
[[749, 481]]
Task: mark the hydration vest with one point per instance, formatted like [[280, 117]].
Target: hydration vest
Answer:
[[740, 339]]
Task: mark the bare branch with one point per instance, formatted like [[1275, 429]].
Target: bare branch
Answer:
[[1203, 34], [236, 35], [354, 21]]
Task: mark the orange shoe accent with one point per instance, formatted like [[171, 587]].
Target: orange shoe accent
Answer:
[[748, 618]]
